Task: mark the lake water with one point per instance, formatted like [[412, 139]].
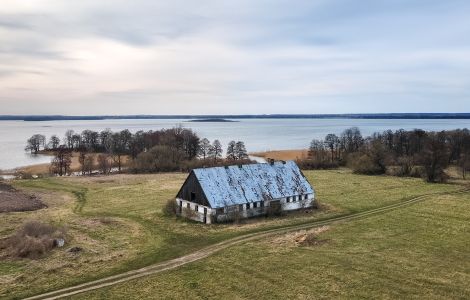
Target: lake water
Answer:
[[258, 134]]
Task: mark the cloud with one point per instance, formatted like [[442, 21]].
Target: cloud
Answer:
[[120, 57]]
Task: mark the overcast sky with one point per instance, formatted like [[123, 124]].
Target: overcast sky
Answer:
[[234, 56]]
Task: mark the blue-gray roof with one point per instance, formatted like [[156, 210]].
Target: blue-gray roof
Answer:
[[226, 186]]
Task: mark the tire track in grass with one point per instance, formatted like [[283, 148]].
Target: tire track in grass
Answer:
[[209, 250]]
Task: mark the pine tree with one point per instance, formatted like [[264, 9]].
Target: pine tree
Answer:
[[240, 150], [232, 151]]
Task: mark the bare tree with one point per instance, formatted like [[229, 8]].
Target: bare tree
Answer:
[[332, 141], [54, 142], [104, 163], [61, 162], [435, 157], [86, 162], [464, 163], [204, 147], [35, 143], [215, 151], [68, 139]]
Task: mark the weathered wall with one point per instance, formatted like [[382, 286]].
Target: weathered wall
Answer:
[[191, 185], [193, 213], [259, 211]]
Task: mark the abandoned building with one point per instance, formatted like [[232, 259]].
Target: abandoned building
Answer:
[[242, 191]]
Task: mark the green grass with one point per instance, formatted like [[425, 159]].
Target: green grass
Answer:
[[420, 252], [119, 222]]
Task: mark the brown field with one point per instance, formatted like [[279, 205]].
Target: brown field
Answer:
[[283, 154], [14, 200]]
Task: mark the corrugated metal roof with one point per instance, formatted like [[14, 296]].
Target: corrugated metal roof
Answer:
[[225, 186]]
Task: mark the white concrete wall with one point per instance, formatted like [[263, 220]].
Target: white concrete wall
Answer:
[[196, 215], [298, 204], [246, 213]]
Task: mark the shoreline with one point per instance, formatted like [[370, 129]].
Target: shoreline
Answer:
[[292, 154], [260, 157]]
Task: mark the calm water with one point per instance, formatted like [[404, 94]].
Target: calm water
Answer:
[[258, 135]]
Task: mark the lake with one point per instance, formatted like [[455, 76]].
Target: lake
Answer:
[[258, 134]]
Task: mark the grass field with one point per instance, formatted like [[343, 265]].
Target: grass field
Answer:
[[118, 222], [419, 252]]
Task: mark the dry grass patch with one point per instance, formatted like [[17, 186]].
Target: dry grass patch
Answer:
[[300, 238], [283, 154], [33, 240]]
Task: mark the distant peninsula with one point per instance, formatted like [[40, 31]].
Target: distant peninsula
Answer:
[[211, 118], [215, 120]]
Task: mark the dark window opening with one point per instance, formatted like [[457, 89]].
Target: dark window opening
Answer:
[[196, 208], [247, 206], [255, 204], [261, 204], [240, 207], [193, 196]]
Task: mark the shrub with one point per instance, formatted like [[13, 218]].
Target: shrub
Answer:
[[189, 213], [417, 172], [313, 164], [32, 240], [274, 211], [170, 208]]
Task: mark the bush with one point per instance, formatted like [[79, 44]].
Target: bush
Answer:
[[274, 211], [417, 172], [313, 164], [32, 240], [365, 164], [170, 208]]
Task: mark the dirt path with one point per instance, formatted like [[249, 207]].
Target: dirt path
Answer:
[[207, 251]]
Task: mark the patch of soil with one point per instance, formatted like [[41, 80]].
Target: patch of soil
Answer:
[[12, 200], [301, 238]]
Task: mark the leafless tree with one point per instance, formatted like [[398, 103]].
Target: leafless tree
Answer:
[[86, 162], [61, 162], [204, 147], [215, 152], [54, 142], [104, 163], [35, 143]]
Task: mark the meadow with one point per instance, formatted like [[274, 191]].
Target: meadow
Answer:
[[118, 222], [420, 252]]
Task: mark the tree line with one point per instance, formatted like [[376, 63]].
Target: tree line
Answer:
[[171, 149], [403, 153]]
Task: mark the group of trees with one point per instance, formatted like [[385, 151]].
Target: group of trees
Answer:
[[405, 153], [172, 149]]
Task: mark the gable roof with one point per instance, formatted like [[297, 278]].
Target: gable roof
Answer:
[[226, 186]]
